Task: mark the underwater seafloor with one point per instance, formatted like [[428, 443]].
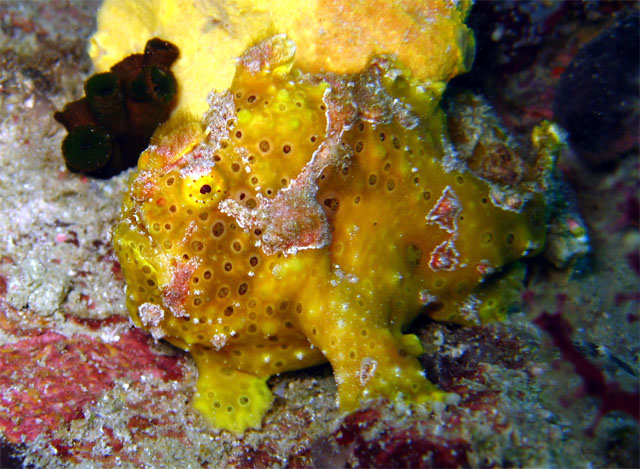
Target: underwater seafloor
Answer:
[[79, 385]]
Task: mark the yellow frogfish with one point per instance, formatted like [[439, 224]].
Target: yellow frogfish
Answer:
[[310, 217]]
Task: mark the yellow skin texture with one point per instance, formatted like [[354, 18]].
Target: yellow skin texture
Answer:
[[429, 37], [298, 223]]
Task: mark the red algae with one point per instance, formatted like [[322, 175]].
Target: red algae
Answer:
[[594, 383], [50, 371]]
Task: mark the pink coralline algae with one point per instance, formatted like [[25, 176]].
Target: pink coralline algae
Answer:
[[399, 448], [47, 379]]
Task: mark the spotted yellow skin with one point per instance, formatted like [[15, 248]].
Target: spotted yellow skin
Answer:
[[297, 224]]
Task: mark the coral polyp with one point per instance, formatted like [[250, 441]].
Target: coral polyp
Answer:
[[310, 218]]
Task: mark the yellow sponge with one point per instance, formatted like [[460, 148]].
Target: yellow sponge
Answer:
[[330, 35]]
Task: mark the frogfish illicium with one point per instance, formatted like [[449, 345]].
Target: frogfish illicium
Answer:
[[310, 217]]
